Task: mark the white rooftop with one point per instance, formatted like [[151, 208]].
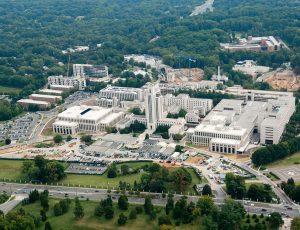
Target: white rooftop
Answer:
[[85, 112], [35, 102]]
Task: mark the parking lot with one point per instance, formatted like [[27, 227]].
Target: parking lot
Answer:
[[287, 172], [79, 96], [88, 168], [20, 128]]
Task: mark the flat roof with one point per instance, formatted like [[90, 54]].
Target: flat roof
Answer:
[[61, 86], [111, 117], [54, 91], [230, 130], [85, 112], [45, 96], [36, 102]]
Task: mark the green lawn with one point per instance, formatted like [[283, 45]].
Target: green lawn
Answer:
[[286, 161], [89, 222], [9, 90], [11, 169]]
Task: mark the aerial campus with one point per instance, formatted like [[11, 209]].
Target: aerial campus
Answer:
[[151, 142]]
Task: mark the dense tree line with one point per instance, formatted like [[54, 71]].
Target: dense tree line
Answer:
[[135, 127], [236, 188], [42, 170], [291, 189], [271, 153], [9, 110]]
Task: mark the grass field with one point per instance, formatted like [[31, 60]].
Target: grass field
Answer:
[[89, 221], [286, 161], [9, 90], [12, 170]]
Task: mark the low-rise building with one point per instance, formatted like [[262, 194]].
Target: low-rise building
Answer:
[[249, 67], [51, 91], [48, 98], [90, 119], [176, 129], [26, 103]]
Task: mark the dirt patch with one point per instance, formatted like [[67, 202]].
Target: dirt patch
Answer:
[[238, 158], [183, 75], [195, 160], [169, 165], [285, 79]]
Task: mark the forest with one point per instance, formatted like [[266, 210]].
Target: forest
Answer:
[[34, 33]]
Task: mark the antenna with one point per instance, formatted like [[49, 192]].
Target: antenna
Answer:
[[69, 64]]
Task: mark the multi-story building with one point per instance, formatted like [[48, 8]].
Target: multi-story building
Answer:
[[233, 124], [187, 103], [67, 81], [86, 70], [91, 119], [153, 106], [121, 93]]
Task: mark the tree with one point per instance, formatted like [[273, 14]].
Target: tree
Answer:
[[206, 190], [179, 148], [235, 186], [169, 205], [111, 173], [231, 215], [69, 138], [7, 141], [148, 207], [276, 220], [164, 220], [57, 138], [295, 223], [206, 205], [147, 136], [44, 200], [34, 196], [122, 219], [57, 210], [124, 169], [48, 226], [78, 210], [43, 215], [132, 214], [123, 202], [181, 179]]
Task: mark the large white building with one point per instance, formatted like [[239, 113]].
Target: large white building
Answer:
[[67, 81], [121, 93], [86, 70], [91, 119], [232, 124]]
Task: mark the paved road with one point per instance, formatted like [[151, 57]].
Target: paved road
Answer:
[[97, 194], [11, 204]]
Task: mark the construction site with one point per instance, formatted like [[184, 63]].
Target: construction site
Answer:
[[283, 79]]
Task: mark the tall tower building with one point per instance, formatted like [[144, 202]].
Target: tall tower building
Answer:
[[153, 106]]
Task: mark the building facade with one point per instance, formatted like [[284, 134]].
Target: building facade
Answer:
[[68, 81]]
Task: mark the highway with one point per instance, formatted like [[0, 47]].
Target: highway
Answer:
[[22, 190]]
